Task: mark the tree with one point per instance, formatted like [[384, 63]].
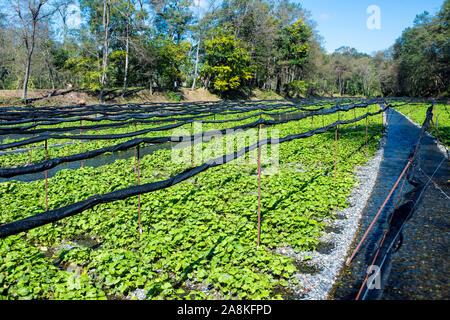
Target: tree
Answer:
[[146, 56], [31, 13], [287, 12], [172, 17], [199, 39], [106, 21], [255, 27], [64, 11], [386, 70], [127, 48], [342, 70], [172, 62], [227, 64], [3, 58], [422, 54], [293, 47], [232, 46]]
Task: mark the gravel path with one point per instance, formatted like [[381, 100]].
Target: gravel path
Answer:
[[318, 286]]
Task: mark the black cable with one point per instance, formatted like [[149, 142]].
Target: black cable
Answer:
[[75, 208]]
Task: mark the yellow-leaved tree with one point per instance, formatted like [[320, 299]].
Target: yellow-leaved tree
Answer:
[[227, 64]]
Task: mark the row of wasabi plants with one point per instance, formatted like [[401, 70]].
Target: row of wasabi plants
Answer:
[[199, 236]]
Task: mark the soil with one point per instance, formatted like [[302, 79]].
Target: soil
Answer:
[[74, 97], [63, 97]]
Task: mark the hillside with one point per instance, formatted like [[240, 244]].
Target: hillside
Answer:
[[73, 97]]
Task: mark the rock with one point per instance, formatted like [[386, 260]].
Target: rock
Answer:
[[73, 268], [139, 294]]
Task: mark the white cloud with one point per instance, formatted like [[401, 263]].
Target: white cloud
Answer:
[[204, 6], [74, 19], [203, 3], [325, 16]]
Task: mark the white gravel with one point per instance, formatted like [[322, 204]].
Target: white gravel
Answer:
[[138, 294], [318, 286]]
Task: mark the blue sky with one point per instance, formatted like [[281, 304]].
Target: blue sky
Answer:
[[344, 22]]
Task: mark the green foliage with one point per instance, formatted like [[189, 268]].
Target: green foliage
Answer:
[[172, 61], [296, 88], [173, 18], [92, 11], [422, 54], [89, 70], [174, 96], [26, 273], [259, 44], [293, 44], [202, 230], [227, 64]]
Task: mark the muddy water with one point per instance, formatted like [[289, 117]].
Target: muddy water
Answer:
[[419, 270]]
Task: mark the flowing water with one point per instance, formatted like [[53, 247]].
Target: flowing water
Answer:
[[419, 270], [98, 161]]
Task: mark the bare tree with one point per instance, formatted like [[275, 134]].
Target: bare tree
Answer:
[[64, 12], [30, 13], [198, 46], [3, 60], [106, 15], [127, 49]]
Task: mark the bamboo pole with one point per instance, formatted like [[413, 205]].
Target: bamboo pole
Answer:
[[82, 147], [366, 137], [259, 187], [135, 152], [192, 146], [139, 182], [46, 176], [335, 152]]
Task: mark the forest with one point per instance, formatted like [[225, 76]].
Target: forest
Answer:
[[228, 47]]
